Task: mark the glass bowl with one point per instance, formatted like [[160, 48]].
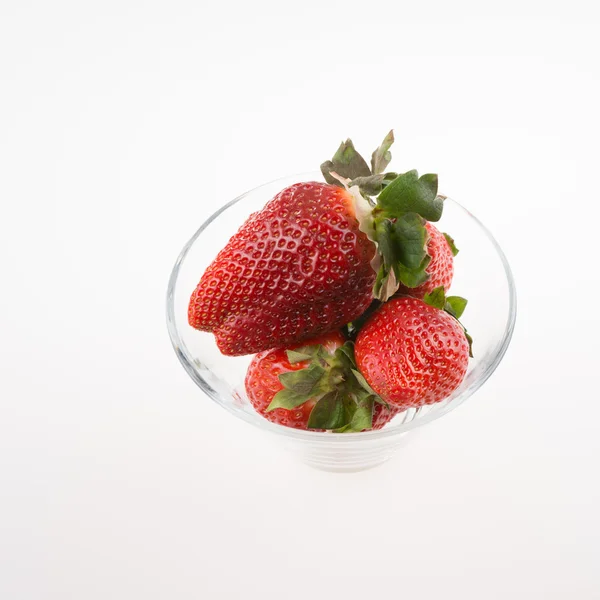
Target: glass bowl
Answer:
[[482, 275]]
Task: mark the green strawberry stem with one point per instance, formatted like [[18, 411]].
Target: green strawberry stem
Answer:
[[344, 399], [395, 220]]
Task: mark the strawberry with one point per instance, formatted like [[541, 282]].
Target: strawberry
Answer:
[[317, 254], [318, 375], [298, 268], [262, 381], [441, 249], [383, 414], [414, 352]]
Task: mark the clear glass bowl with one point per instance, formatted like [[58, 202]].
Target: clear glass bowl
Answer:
[[482, 275]]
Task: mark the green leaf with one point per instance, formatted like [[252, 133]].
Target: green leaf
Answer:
[[363, 382], [470, 340], [288, 399], [411, 193], [347, 156], [329, 412], [382, 156], [303, 381], [413, 278], [411, 239], [344, 355], [387, 262], [370, 185], [452, 245], [397, 242], [296, 356], [436, 298], [382, 274], [348, 350], [387, 242], [455, 306], [386, 286], [346, 162], [380, 400], [362, 418], [344, 429]]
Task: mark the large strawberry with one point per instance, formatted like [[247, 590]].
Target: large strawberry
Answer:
[[314, 387], [298, 268], [414, 352], [315, 256]]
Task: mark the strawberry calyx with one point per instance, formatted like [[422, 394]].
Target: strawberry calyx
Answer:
[[451, 243], [453, 305], [344, 400], [395, 220]]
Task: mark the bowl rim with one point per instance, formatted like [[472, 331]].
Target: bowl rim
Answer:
[[188, 363]]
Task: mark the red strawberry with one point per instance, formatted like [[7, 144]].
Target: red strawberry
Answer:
[[412, 353], [262, 381], [263, 384], [441, 249], [382, 415], [296, 269]]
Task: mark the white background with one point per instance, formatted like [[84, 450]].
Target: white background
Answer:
[[123, 125]]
